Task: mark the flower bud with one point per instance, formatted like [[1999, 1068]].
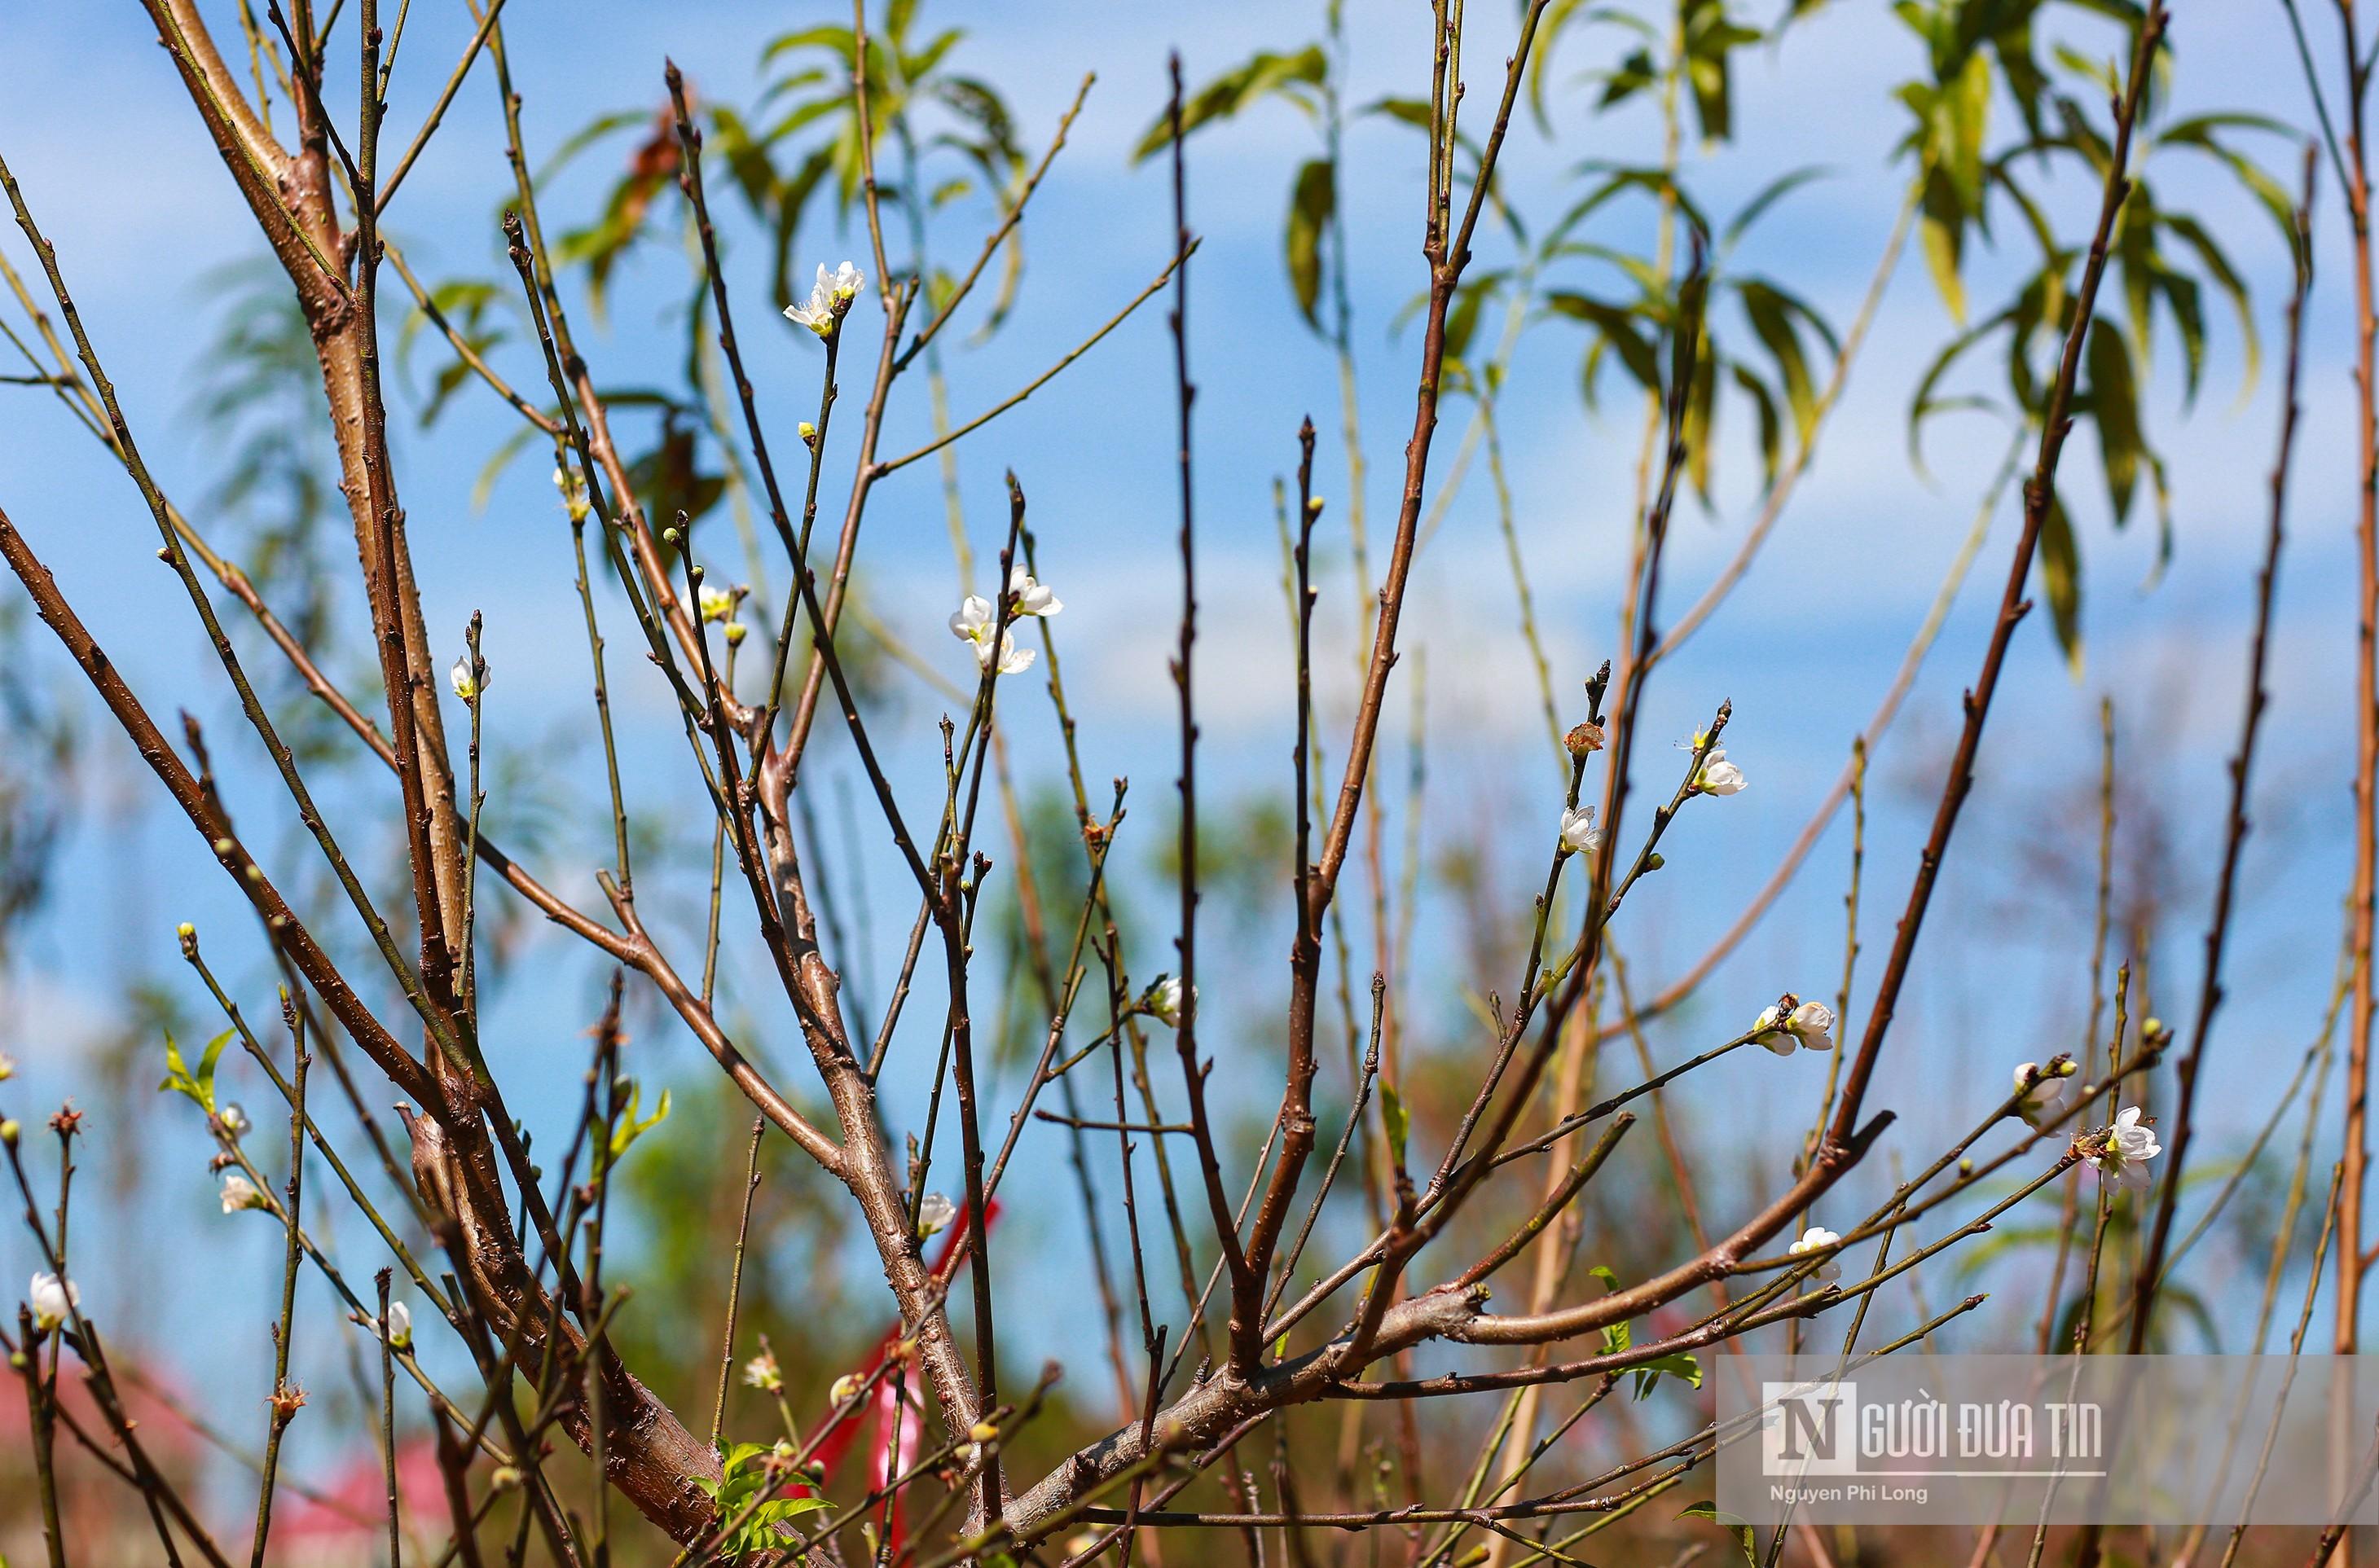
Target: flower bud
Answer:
[[935, 1213], [503, 1477], [809, 433], [8, 1132], [983, 1431]]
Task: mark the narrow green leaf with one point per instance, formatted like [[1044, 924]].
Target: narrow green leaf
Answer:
[[1616, 327], [1311, 203], [1265, 74], [1942, 227], [2114, 403], [2060, 571]]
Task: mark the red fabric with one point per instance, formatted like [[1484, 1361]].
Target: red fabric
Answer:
[[887, 1459]]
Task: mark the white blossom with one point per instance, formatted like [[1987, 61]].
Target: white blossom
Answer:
[[1794, 1023], [238, 1193], [935, 1213], [1165, 1001], [829, 297], [1579, 835], [573, 493], [1718, 776], [846, 1387], [1813, 1023], [762, 1372], [400, 1325], [2044, 1100], [2128, 1147], [1816, 1238], [1031, 597], [973, 623], [52, 1300], [717, 604], [1012, 659], [234, 1120], [467, 683]]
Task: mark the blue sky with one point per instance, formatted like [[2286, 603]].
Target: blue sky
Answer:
[[139, 209]]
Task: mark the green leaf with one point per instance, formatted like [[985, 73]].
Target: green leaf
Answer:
[[1769, 313], [1265, 74], [1738, 1529], [1700, 432], [1617, 327], [1398, 1121], [512, 446], [2060, 571], [2114, 403], [1311, 203], [2225, 278], [1772, 429], [198, 1087], [178, 1073], [1677, 1364], [1635, 74], [1769, 195], [629, 1129], [1942, 227]]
